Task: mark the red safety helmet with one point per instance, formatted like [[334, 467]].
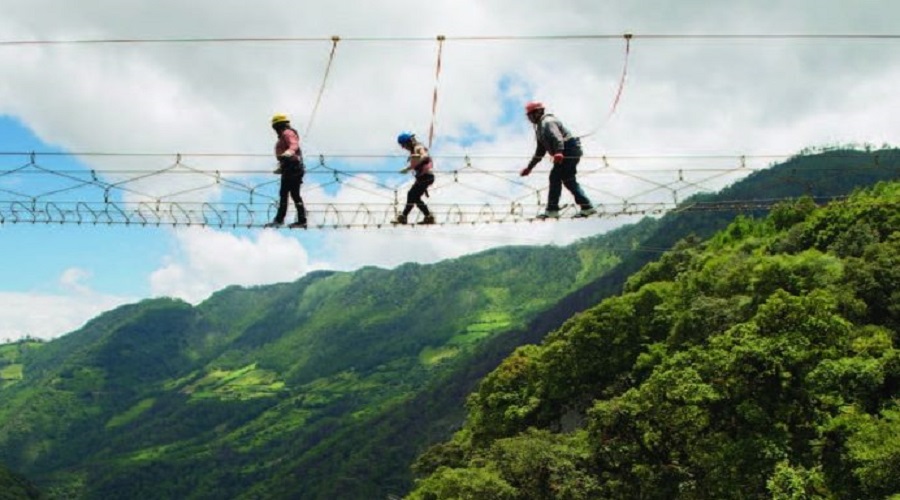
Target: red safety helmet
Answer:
[[533, 106]]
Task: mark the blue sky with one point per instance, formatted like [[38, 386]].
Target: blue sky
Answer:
[[685, 101], [36, 255]]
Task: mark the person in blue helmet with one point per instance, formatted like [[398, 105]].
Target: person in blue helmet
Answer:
[[420, 163], [555, 139]]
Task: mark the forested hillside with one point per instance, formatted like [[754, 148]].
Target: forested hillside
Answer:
[[761, 363], [242, 391], [329, 387]]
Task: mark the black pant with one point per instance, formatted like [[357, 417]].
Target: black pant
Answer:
[[414, 196], [291, 178], [564, 175]]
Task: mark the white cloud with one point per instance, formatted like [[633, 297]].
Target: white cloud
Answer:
[[50, 315], [206, 260], [217, 97], [681, 97], [73, 279]]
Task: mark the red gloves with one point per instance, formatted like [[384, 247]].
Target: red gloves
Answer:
[[557, 159]]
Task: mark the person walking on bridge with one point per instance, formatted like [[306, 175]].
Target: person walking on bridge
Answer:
[[290, 166], [420, 163], [555, 139]]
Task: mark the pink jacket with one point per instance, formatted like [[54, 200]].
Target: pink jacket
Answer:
[[419, 161], [288, 141]]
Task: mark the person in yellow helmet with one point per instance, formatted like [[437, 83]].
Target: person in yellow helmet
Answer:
[[290, 166]]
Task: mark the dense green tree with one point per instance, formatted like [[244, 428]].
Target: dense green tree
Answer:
[[15, 487], [464, 484], [798, 483]]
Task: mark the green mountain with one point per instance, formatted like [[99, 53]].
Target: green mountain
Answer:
[[328, 387], [236, 392], [763, 362]]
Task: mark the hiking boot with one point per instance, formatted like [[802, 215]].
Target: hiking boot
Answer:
[[274, 223], [401, 219], [549, 214], [429, 219], [586, 212], [300, 224]]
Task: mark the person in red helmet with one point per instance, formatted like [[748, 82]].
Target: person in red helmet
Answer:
[[555, 139], [290, 166], [421, 164]]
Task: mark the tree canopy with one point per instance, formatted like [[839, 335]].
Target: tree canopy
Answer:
[[760, 363]]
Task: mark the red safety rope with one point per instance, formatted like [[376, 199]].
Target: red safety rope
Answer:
[[624, 74], [437, 76], [615, 103]]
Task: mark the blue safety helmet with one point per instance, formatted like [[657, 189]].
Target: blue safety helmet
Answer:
[[405, 138]]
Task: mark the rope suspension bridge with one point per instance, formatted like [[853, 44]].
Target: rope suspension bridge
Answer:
[[36, 189]]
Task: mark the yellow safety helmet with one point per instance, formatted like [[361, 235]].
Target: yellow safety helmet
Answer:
[[280, 118]]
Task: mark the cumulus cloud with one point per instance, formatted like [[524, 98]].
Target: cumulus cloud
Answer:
[[681, 97], [74, 278], [195, 97], [49, 315], [207, 260]]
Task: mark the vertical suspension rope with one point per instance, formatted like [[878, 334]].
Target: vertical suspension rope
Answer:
[[619, 90], [334, 41], [437, 77], [624, 74]]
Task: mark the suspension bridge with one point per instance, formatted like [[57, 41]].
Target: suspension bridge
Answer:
[[187, 190]]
